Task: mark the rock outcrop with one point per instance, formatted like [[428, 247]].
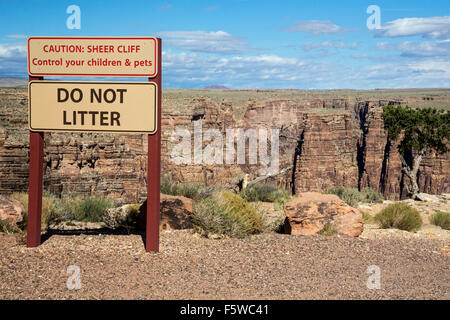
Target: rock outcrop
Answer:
[[175, 213], [309, 212], [327, 143], [10, 210]]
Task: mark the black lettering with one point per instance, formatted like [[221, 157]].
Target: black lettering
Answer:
[[65, 122], [121, 91], [74, 117], [115, 117], [93, 113], [60, 99], [104, 118], [82, 113], [80, 95], [105, 95], [98, 97]]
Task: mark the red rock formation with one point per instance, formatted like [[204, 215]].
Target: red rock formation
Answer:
[[329, 142], [309, 212]]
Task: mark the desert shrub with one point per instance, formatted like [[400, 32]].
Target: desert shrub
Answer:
[[125, 216], [371, 196], [350, 196], [209, 217], [266, 193], [441, 219], [90, 209], [327, 230], [226, 214], [366, 217], [270, 222], [206, 192], [400, 216], [240, 207], [7, 227], [50, 214], [188, 190]]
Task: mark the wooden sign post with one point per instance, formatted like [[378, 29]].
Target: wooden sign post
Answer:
[[120, 107]]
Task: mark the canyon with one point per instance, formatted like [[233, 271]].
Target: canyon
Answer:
[[327, 139]]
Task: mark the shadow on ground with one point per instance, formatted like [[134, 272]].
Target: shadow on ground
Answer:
[[92, 232]]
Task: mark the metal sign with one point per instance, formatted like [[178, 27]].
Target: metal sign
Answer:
[[93, 106], [120, 107], [93, 56]]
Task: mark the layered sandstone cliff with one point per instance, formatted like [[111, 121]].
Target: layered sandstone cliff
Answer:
[[323, 143]]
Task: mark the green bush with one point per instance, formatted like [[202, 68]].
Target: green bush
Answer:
[[441, 219], [371, 196], [400, 216], [89, 209], [226, 214], [50, 213], [366, 217], [266, 193], [327, 230], [240, 207], [7, 227], [209, 217], [352, 196], [189, 190]]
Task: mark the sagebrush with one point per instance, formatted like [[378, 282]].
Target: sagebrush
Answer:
[[226, 214], [441, 219], [353, 196], [400, 216], [266, 193]]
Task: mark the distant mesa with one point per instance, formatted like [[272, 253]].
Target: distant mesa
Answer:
[[216, 87], [13, 82]]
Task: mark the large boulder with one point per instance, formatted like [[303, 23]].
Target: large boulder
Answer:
[[309, 212], [10, 210], [175, 213]]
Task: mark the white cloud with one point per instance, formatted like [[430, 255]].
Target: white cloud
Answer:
[[13, 50], [316, 27], [412, 49], [259, 71], [384, 45], [201, 41], [193, 70], [17, 36], [431, 28], [425, 49], [329, 44]]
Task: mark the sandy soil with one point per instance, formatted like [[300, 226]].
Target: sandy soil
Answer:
[[265, 266]]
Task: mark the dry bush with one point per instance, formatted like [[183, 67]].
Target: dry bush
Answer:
[[400, 216], [441, 219]]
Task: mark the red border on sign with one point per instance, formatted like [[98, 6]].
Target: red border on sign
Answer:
[[92, 74]]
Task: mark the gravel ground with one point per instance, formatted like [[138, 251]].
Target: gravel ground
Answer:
[[265, 266]]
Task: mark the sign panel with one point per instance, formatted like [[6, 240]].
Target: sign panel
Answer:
[[93, 56], [92, 106]]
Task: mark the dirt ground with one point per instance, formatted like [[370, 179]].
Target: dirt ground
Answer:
[[265, 266]]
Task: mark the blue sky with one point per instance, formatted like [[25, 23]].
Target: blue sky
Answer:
[[256, 43]]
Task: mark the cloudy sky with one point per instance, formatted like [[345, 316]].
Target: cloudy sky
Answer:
[[257, 43]]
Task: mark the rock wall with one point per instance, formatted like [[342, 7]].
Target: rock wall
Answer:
[[323, 143]]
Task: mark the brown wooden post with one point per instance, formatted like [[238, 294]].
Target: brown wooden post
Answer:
[[153, 172], [35, 179]]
